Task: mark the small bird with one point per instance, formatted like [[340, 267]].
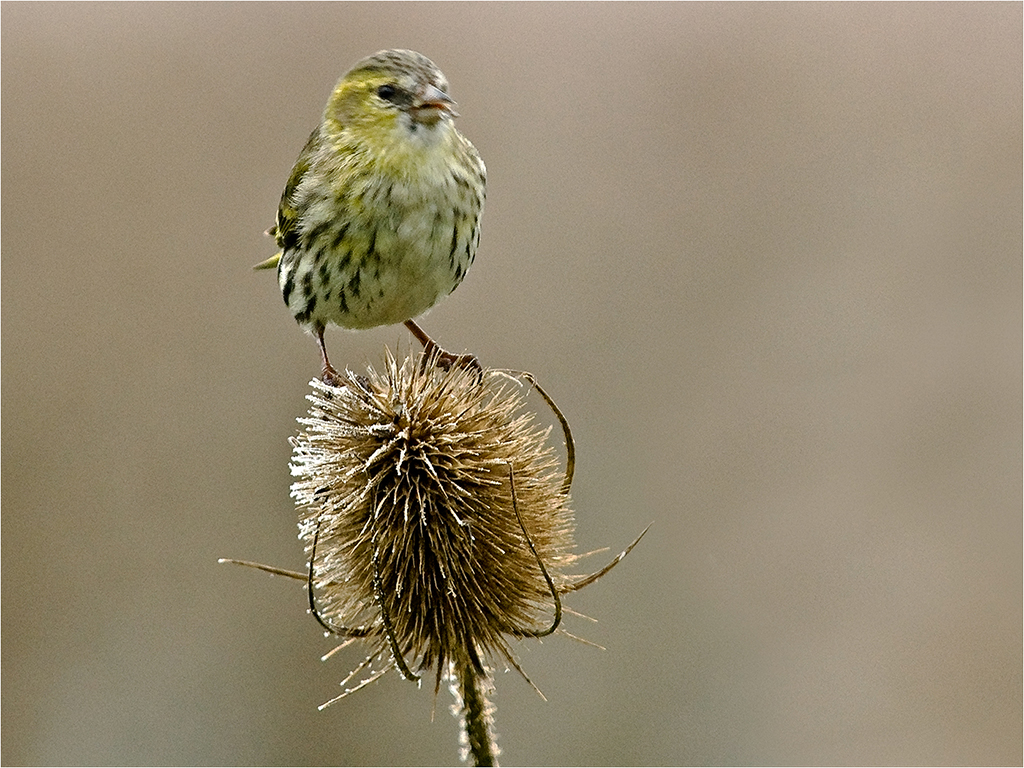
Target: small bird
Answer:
[[380, 218]]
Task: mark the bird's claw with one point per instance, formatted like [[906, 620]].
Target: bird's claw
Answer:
[[439, 358], [331, 378]]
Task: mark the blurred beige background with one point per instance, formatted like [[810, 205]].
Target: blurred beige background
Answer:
[[766, 257]]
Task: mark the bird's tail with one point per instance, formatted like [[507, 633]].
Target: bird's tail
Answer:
[[270, 263]]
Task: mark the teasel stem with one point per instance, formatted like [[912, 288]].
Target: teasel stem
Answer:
[[471, 685]]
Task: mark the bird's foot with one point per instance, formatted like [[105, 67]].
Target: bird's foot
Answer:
[[433, 354], [331, 377], [446, 361]]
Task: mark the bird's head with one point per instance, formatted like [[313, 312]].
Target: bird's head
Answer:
[[392, 96]]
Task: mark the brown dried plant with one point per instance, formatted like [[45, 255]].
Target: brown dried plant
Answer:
[[437, 524]]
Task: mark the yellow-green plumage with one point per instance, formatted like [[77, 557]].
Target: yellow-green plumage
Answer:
[[380, 218]]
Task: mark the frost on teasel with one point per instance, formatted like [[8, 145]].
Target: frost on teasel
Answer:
[[436, 518]]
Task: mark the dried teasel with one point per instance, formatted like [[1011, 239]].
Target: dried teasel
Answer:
[[437, 523]]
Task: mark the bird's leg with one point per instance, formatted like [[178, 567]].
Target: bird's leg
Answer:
[[329, 375], [442, 358]]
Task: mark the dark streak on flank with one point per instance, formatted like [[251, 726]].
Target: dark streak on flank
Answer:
[[455, 244], [339, 237], [310, 307], [372, 247], [289, 285]]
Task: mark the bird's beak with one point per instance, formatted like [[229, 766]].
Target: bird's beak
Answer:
[[431, 104]]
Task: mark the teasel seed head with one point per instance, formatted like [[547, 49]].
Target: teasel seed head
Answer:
[[435, 515]]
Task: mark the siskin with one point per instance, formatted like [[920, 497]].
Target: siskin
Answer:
[[380, 218]]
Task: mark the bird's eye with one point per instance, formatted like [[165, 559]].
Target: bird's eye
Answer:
[[387, 92]]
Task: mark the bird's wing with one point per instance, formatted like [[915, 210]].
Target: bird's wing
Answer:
[[287, 216]]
